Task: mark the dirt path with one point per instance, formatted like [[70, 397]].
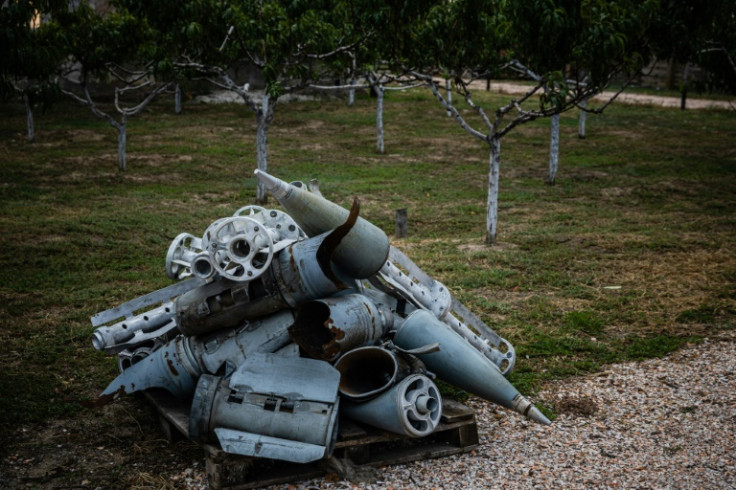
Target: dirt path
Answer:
[[626, 98]]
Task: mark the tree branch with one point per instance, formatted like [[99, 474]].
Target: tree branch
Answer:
[[460, 120]]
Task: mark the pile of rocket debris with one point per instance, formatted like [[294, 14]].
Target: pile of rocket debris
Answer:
[[282, 322]]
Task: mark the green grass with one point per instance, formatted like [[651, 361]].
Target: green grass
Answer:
[[630, 255]]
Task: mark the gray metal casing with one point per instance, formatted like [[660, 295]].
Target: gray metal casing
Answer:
[[277, 407]]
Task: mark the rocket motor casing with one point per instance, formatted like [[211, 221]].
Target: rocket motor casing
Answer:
[[293, 277], [461, 365], [368, 371], [277, 407], [360, 254], [329, 327], [411, 407], [177, 365]]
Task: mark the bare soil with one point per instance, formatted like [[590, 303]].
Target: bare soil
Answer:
[[117, 446]]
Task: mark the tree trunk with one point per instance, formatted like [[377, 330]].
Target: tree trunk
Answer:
[[263, 119], [554, 148], [683, 94], [351, 93], [379, 117], [122, 139], [492, 207], [177, 99], [29, 118], [581, 119], [448, 90]]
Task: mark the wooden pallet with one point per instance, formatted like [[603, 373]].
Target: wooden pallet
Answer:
[[358, 447]]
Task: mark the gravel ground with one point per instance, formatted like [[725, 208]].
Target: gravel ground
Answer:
[[660, 423]]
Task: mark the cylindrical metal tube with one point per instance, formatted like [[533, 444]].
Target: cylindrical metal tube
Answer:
[[177, 365], [361, 252], [329, 327], [136, 330], [284, 402], [412, 407], [368, 371], [458, 363]]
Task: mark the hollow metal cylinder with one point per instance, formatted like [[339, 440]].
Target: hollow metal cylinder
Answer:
[[368, 371], [412, 407], [329, 327]]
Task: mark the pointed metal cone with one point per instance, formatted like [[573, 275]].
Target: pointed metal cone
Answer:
[[538, 416], [162, 369], [274, 185], [363, 249], [460, 364]]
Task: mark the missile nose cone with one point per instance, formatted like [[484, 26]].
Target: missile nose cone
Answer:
[[522, 405], [274, 185], [538, 416]]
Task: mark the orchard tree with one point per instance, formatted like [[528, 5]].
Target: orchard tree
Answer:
[[381, 62], [564, 42], [378, 81], [117, 49], [31, 55], [291, 45], [701, 33]]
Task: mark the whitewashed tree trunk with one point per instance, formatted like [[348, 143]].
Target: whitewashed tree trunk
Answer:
[[29, 118], [554, 148], [351, 93], [122, 140], [264, 116], [582, 118], [493, 178], [448, 89], [379, 116], [125, 112], [177, 99]]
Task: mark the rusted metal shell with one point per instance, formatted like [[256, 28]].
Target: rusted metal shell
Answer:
[[225, 304], [329, 327]]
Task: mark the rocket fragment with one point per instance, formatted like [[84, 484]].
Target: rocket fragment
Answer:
[[458, 363], [361, 253]]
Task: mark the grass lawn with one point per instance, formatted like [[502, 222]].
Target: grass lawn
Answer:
[[631, 254]]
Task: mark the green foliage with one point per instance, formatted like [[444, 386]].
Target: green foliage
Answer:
[[287, 41], [462, 34], [642, 348], [701, 32], [30, 50], [593, 38]]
